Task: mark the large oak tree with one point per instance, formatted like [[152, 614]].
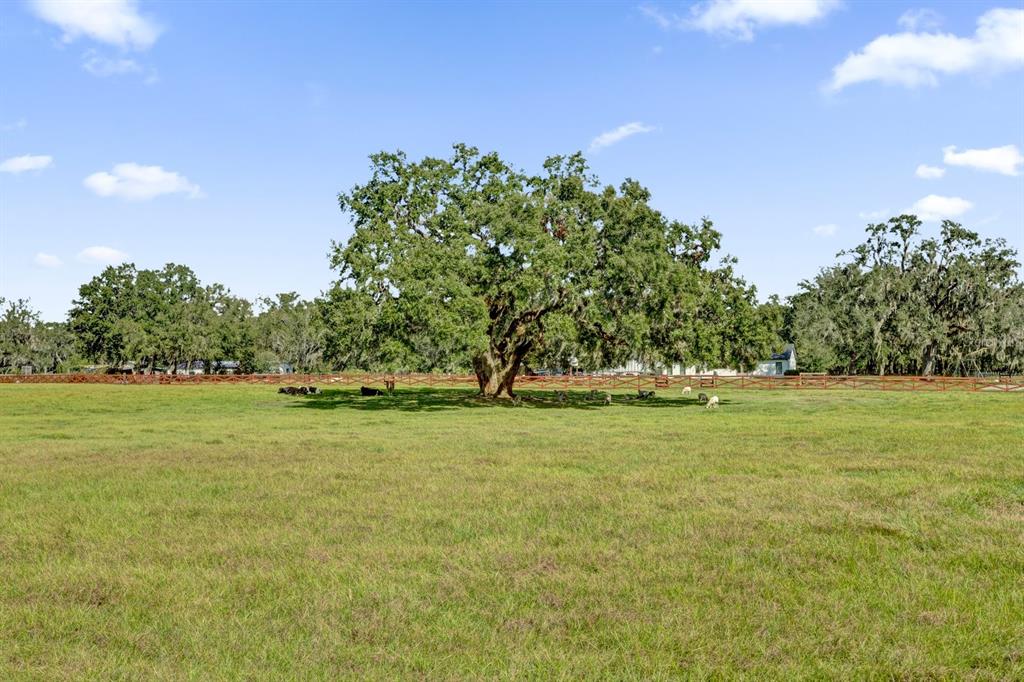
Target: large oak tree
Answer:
[[469, 262]]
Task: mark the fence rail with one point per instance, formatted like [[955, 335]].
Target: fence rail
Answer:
[[577, 382]]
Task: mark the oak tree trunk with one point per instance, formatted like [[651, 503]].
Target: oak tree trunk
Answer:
[[929, 360], [496, 371]]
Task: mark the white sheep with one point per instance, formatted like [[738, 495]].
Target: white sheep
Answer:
[[712, 402], [686, 390]]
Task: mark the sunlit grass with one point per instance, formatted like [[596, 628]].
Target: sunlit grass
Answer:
[[223, 532]]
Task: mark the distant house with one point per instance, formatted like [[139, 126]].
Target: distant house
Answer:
[[779, 363], [227, 367], [191, 368], [216, 367]]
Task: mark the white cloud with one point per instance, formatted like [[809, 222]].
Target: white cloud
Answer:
[[20, 124], [665, 21], [874, 215], [924, 19], [914, 59], [138, 183], [740, 19], [28, 162], [929, 172], [935, 207], [47, 260], [610, 137], [1005, 160], [103, 255], [101, 66], [115, 22], [828, 230]]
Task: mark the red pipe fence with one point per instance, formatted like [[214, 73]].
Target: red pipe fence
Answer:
[[1003, 383]]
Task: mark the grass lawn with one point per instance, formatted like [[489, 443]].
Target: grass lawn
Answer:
[[224, 532]]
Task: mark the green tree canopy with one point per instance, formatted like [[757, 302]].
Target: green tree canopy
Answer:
[[27, 341], [468, 262], [291, 330], [154, 317], [906, 304]]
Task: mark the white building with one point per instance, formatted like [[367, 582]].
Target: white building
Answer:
[[779, 362]]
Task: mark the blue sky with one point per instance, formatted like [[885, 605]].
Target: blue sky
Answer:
[[218, 134]]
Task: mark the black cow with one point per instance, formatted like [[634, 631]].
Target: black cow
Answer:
[[365, 391]]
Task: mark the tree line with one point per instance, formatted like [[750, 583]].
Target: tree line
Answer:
[[163, 320], [900, 303], [468, 264]]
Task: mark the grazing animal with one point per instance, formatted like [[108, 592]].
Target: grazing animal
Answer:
[[389, 386], [299, 390], [702, 398], [561, 396], [712, 402], [644, 395], [365, 391], [607, 398], [686, 390]]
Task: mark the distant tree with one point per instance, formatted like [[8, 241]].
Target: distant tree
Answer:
[[156, 317], [98, 317], [235, 334], [27, 341], [291, 330], [903, 304], [17, 343], [467, 262], [54, 347], [770, 330]]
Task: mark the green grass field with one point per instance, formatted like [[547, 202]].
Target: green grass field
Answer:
[[224, 532]]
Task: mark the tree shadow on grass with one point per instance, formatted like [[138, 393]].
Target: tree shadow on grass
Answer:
[[438, 400]]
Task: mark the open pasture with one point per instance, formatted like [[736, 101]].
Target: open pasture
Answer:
[[224, 532]]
